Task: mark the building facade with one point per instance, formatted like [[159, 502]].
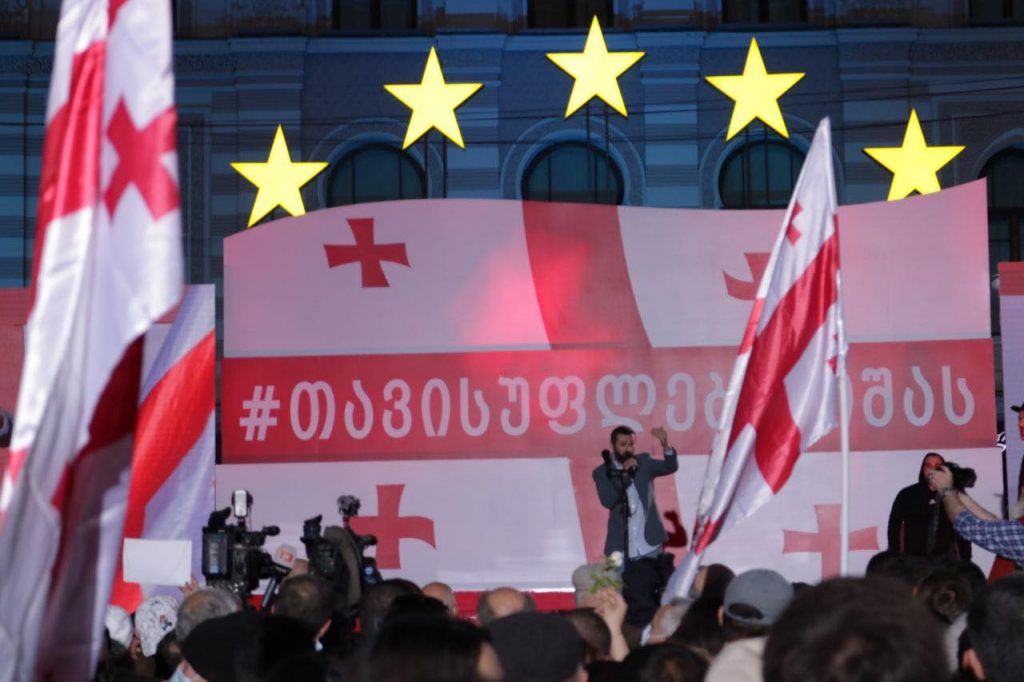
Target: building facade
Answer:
[[318, 68]]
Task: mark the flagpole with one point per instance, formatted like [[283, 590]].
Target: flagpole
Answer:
[[844, 436]]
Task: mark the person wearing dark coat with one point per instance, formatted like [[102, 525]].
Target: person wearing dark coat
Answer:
[[917, 525]]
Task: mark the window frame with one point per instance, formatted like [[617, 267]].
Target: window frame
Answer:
[[595, 153], [742, 152], [764, 18], [351, 156], [571, 8], [376, 19]]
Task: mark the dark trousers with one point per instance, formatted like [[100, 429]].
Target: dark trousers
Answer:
[[644, 582]]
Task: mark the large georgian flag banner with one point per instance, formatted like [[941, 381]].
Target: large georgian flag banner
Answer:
[[459, 364], [107, 264], [782, 395]]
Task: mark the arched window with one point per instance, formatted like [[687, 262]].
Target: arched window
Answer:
[[764, 11], [996, 10], [373, 15], [1005, 173], [760, 174], [568, 13], [376, 172], [573, 172]]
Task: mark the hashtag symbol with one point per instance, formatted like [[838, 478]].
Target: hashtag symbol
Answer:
[[260, 414]]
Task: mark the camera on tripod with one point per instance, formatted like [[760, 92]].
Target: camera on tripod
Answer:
[[337, 554], [233, 555]]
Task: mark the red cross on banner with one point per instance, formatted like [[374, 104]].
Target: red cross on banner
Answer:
[[826, 540], [139, 160], [747, 290], [390, 528], [368, 254]]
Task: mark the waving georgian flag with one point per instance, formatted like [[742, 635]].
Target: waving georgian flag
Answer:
[[107, 264], [783, 391], [173, 466]]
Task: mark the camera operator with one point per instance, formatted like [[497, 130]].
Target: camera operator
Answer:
[[973, 522], [337, 554], [916, 524]]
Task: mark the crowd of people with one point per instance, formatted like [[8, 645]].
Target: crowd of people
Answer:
[[923, 612], [908, 619]]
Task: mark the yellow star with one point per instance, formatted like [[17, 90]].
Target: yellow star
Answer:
[[596, 71], [278, 180], [756, 93], [915, 164], [433, 103]]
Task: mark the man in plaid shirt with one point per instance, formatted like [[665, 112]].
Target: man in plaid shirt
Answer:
[[973, 522]]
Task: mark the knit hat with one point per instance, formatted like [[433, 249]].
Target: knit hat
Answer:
[[154, 618], [536, 647], [761, 589]]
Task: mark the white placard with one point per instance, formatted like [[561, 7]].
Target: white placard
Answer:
[[157, 562]]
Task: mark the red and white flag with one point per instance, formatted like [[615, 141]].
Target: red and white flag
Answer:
[[107, 264], [783, 393], [173, 467]]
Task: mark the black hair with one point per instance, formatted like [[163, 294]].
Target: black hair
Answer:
[[306, 598], [855, 629], [716, 580], [415, 605], [995, 622], [945, 594], [904, 568], [621, 431], [597, 638], [663, 663], [420, 648], [700, 627], [168, 656], [377, 601]]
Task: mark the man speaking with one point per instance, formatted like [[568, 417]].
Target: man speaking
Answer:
[[625, 485]]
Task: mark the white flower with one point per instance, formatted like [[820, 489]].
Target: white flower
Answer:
[[615, 559]]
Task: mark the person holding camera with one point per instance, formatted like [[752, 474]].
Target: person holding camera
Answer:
[[916, 523], [974, 522]]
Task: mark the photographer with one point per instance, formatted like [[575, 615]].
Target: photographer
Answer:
[[974, 523], [916, 524]]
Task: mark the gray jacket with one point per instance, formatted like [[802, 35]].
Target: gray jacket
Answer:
[[608, 488]]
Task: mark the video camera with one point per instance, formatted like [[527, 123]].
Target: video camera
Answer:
[[348, 506], [963, 477], [233, 555], [337, 554]]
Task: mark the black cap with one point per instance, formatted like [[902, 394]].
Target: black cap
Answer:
[[1017, 408]]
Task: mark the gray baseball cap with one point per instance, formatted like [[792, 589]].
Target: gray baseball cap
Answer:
[[762, 589]]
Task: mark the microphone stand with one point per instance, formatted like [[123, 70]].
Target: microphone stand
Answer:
[[623, 502]]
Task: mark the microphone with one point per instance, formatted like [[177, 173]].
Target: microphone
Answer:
[[285, 556]]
